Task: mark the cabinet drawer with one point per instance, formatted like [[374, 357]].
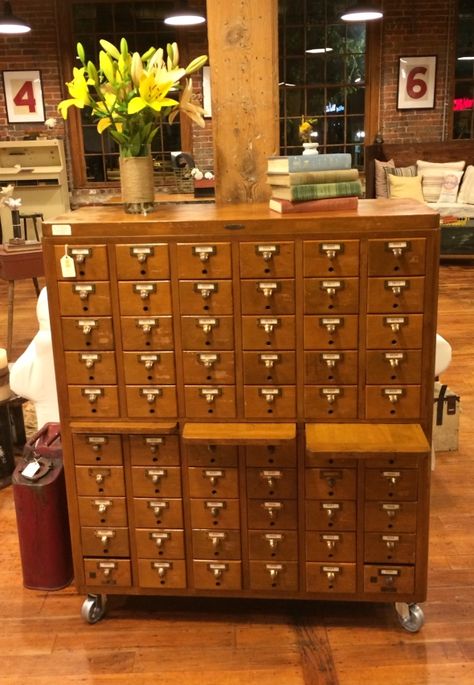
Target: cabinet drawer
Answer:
[[90, 261], [100, 481], [329, 515], [394, 332], [268, 332], [100, 511], [158, 513], [156, 481], [93, 400], [144, 297], [331, 258], [87, 333], [397, 484], [149, 367], [212, 455], [330, 578], [216, 544], [207, 333], [284, 454], [204, 260], [270, 401], [105, 542], [149, 450], [396, 517], [210, 401], [269, 514], [213, 482], [392, 402], [142, 261], [275, 545], [151, 400], [324, 461], [97, 449], [269, 367], [266, 296], [162, 574], [331, 482], [206, 297], [395, 294], [267, 260], [108, 572], [331, 332], [331, 295], [396, 549], [273, 575], [338, 368], [147, 333], [84, 299], [217, 575], [397, 257], [336, 402], [207, 513], [399, 366], [209, 367], [389, 579], [279, 483], [154, 544], [330, 547], [90, 367]]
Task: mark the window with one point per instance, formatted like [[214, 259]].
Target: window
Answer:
[[463, 104], [322, 76]]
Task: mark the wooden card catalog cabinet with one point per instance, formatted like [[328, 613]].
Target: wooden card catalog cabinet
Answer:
[[246, 400]]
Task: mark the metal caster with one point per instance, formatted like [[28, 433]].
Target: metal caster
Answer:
[[411, 616], [93, 608]]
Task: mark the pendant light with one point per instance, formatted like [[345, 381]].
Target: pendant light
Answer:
[[182, 16], [362, 11], [9, 24]]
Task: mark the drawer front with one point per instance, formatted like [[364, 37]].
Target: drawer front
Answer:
[[142, 261], [331, 482], [329, 258], [330, 547], [214, 513], [162, 574], [396, 517], [338, 368], [217, 575], [156, 544], [108, 572], [84, 299], [270, 401], [394, 332], [389, 579], [212, 455], [93, 400], [205, 333], [392, 402], [329, 515], [397, 257], [268, 332], [264, 296], [267, 260], [147, 333], [207, 402], [331, 332], [90, 261], [274, 575], [275, 545], [156, 481], [151, 400], [336, 402], [87, 333], [204, 260], [138, 298], [395, 294], [149, 450], [90, 367], [269, 367], [392, 460], [102, 511], [105, 542], [205, 298], [100, 481], [382, 548], [279, 483], [401, 366], [269, 514], [284, 454], [324, 461], [330, 578], [158, 513], [209, 367], [397, 484], [97, 449], [213, 482], [216, 544], [149, 367], [331, 295]]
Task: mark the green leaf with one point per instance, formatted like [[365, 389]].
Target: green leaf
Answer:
[[119, 137]]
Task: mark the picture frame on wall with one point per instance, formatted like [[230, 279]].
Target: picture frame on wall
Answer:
[[23, 96], [416, 82]]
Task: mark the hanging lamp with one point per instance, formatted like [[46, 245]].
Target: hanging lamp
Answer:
[[9, 24], [362, 11], [182, 16]]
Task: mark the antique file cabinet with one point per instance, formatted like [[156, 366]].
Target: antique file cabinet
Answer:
[[246, 400]]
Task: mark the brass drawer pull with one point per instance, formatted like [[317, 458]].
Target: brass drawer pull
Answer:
[[147, 324], [393, 394], [216, 539], [391, 510], [105, 536], [162, 567], [268, 289], [215, 508], [207, 325], [102, 505], [92, 394], [83, 290], [396, 287], [213, 476], [217, 570], [270, 477], [268, 325], [331, 324], [87, 326], [395, 322], [154, 444], [397, 248], [208, 360], [157, 507], [267, 252], [142, 252], [210, 394], [331, 287], [106, 568], [274, 570], [204, 252], [151, 394], [331, 359], [273, 540], [159, 538], [144, 289], [269, 360], [80, 254], [331, 541], [392, 476], [394, 358], [205, 289], [331, 395], [331, 572], [390, 541], [273, 509], [155, 475], [149, 360], [331, 250], [89, 360]]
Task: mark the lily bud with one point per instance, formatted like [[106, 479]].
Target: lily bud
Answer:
[[136, 68], [109, 48], [81, 53], [196, 64]]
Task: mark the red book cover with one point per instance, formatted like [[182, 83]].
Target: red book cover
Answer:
[[324, 205]]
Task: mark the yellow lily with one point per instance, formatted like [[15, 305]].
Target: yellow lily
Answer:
[[151, 95], [192, 110], [79, 90]]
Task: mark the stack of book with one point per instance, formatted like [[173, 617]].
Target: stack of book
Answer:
[[308, 183]]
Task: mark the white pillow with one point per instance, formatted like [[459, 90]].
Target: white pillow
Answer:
[[433, 174], [466, 191], [450, 187]]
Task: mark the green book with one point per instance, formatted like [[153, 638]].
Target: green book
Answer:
[[317, 191]]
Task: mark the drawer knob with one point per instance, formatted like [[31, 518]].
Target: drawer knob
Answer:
[[216, 541], [267, 289], [268, 328], [144, 294], [398, 248], [154, 476], [83, 294], [331, 544], [215, 511], [142, 257], [104, 536], [99, 478], [331, 250], [146, 327], [86, 329], [102, 505], [157, 510], [150, 398], [274, 573], [217, 573], [273, 543], [267, 255], [79, 258]]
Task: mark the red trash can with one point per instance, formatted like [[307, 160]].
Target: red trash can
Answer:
[[39, 493]]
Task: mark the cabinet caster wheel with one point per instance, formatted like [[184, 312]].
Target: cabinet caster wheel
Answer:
[[411, 616], [93, 608]]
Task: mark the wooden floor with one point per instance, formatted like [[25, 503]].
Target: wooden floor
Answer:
[[43, 640]]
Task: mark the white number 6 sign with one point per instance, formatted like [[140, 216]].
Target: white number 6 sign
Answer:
[[23, 96], [416, 82]]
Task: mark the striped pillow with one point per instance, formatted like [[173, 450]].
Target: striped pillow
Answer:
[[381, 185], [466, 192], [433, 174], [399, 171]]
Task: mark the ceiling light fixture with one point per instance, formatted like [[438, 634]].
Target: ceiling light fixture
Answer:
[[10, 24], [182, 16], [362, 11]]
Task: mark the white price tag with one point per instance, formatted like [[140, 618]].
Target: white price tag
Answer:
[[31, 469], [68, 267]]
